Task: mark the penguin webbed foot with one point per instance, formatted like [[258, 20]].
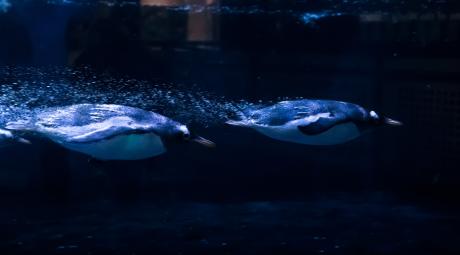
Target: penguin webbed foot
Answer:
[[237, 123], [7, 135], [23, 141]]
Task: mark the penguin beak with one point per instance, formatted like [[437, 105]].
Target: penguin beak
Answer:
[[203, 141], [392, 122]]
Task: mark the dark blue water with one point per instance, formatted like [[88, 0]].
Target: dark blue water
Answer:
[[391, 191]]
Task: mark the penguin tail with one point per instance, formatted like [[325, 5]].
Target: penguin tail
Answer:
[[240, 115], [17, 127], [238, 119], [6, 137], [21, 125]]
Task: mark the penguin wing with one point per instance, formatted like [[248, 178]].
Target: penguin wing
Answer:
[[287, 111], [319, 123], [98, 134], [96, 131]]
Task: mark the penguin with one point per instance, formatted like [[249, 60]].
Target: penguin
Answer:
[[313, 122], [106, 131]]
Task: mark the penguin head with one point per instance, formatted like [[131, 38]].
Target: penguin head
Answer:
[[378, 120], [181, 133]]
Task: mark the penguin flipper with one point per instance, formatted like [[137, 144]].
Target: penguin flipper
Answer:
[[20, 125], [319, 126]]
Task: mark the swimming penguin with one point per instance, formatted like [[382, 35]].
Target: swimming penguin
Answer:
[[106, 131], [314, 122]]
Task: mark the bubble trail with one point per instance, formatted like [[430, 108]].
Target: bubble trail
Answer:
[[26, 89]]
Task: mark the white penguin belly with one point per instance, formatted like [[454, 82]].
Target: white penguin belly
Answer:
[[122, 147], [336, 135]]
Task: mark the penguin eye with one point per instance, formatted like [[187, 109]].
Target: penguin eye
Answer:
[[374, 115]]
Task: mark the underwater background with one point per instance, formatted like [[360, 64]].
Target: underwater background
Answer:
[[391, 191]]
